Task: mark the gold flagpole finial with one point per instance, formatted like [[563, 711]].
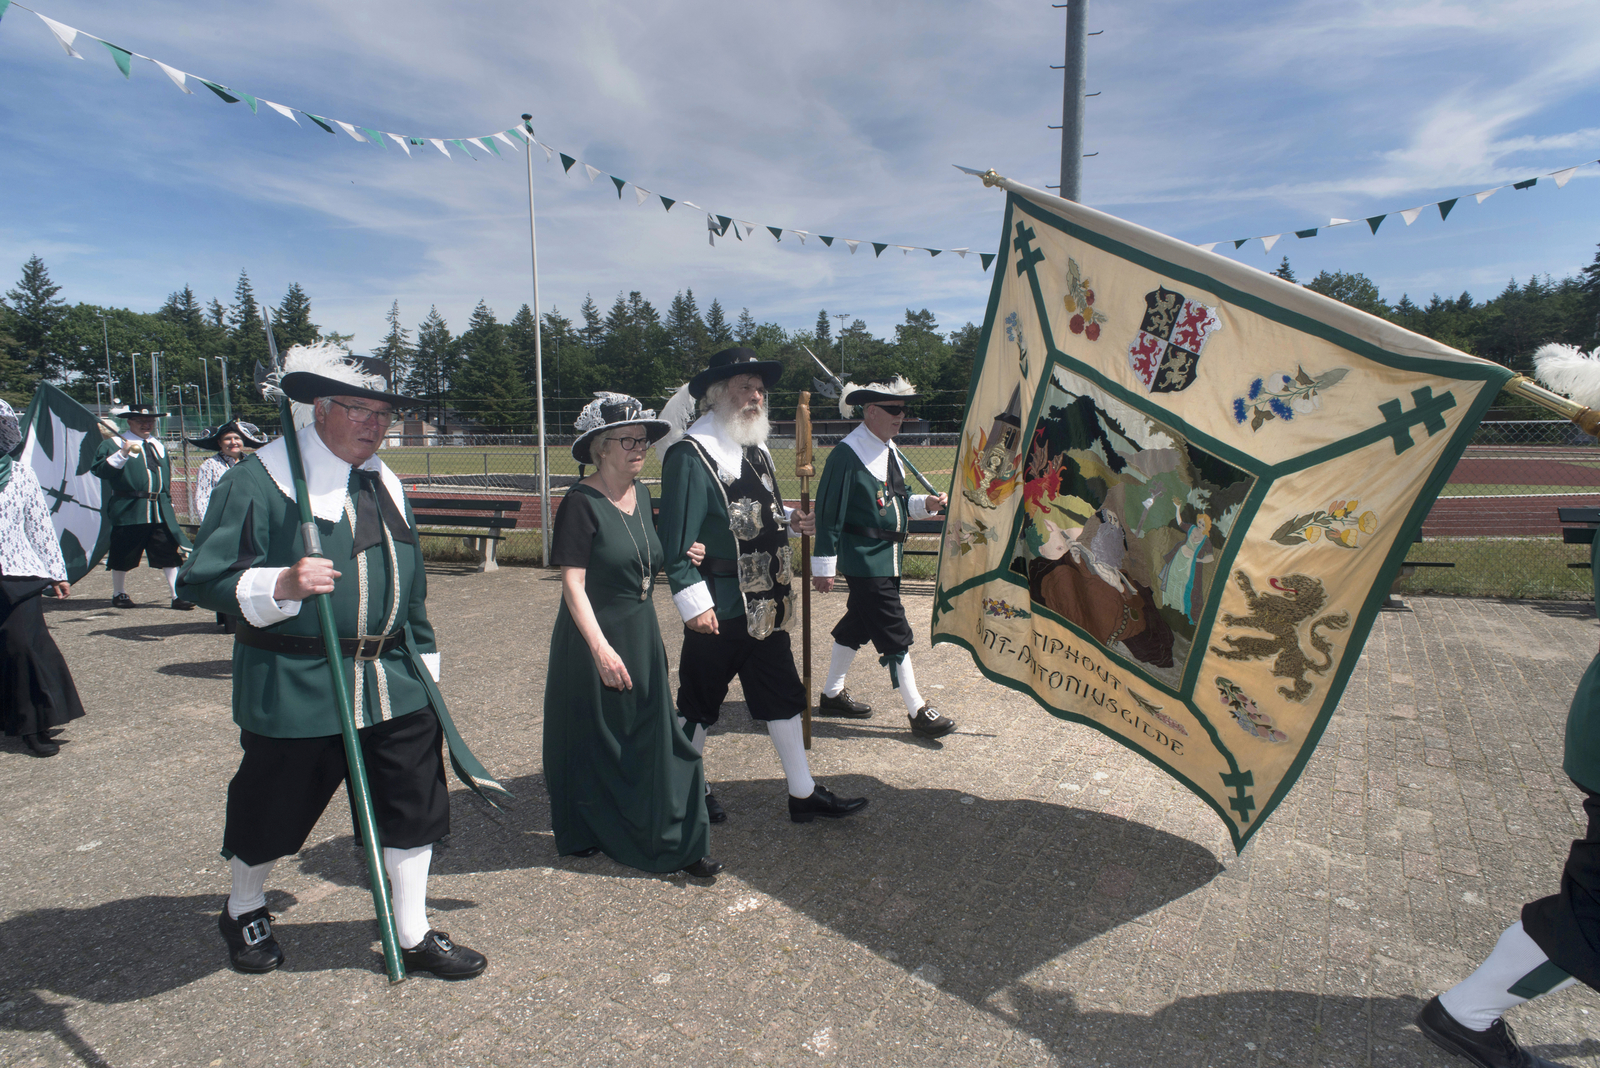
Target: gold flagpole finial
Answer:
[[1586, 419], [991, 178]]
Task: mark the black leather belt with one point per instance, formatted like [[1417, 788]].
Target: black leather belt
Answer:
[[137, 496], [874, 532], [712, 565], [369, 648]]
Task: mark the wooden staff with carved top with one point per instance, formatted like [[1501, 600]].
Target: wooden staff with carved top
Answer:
[[804, 468]]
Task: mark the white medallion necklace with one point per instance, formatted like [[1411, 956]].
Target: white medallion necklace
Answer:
[[641, 557]]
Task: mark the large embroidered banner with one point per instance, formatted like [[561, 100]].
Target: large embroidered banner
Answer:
[[1182, 491]]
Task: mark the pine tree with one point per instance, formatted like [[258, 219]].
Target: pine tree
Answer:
[[1284, 271], [594, 330], [216, 314], [1356, 290], [396, 348], [36, 310], [291, 323], [718, 334], [247, 347], [745, 332], [432, 366], [489, 387], [686, 334], [184, 309], [824, 330], [16, 384]]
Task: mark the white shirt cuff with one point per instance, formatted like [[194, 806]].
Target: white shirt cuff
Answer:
[[824, 566], [256, 603], [693, 600], [118, 459], [431, 662], [919, 507]]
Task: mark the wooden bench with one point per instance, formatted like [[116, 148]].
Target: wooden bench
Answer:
[[915, 527], [466, 518], [1585, 521]]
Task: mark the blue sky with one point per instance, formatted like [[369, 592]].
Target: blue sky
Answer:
[[1215, 121]]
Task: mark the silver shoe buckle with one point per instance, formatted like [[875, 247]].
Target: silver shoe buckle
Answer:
[[256, 931]]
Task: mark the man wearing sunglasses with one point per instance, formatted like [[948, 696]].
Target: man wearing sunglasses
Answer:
[[863, 509]]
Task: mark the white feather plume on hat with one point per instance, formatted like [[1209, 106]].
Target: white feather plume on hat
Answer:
[[1569, 370], [679, 413], [326, 359], [895, 387]]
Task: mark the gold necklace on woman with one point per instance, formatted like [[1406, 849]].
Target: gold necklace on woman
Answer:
[[642, 558]]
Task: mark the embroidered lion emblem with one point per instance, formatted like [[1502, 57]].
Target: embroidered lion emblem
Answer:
[[1280, 614]]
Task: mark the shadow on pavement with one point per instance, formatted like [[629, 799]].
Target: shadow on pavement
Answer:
[[200, 669], [156, 632]]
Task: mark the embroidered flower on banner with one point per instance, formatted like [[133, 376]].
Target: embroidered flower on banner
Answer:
[[1336, 525], [1079, 302], [994, 607], [1246, 714], [1283, 396]]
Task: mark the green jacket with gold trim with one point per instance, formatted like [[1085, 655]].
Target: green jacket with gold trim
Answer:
[[854, 491], [138, 475]]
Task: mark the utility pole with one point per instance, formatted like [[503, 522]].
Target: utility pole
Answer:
[[841, 319], [105, 335], [227, 401], [1073, 84], [133, 374]]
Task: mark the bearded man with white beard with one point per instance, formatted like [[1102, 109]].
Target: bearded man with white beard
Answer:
[[719, 487]]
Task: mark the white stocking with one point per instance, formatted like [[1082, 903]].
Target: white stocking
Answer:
[[249, 880], [408, 890], [906, 680], [119, 583], [788, 738], [1484, 996], [171, 575], [838, 665]]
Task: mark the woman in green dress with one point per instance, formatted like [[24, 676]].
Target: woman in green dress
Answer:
[[622, 776]]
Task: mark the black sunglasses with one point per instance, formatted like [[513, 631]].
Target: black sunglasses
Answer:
[[892, 409]]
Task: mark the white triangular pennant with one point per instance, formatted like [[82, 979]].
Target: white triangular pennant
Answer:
[[641, 194], [593, 172], [1487, 193], [803, 234], [507, 140], [692, 204], [177, 76], [351, 130], [401, 141], [1268, 242], [64, 34], [1563, 177], [852, 245], [962, 252], [287, 113], [749, 228], [436, 143], [1339, 222], [1207, 247], [548, 156], [1410, 215]]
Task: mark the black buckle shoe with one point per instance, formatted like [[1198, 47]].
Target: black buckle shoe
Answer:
[[251, 945], [437, 954], [929, 724], [842, 705], [40, 744], [121, 600], [714, 810], [1495, 1048], [181, 605], [704, 868], [823, 803]]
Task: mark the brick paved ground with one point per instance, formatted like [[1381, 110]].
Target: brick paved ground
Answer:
[[1024, 893]]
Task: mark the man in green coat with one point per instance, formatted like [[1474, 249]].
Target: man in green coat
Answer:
[[719, 487], [136, 476], [1556, 942], [251, 564], [863, 511]]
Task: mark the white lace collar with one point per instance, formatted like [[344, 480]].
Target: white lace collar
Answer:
[[150, 442], [874, 452], [327, 476]]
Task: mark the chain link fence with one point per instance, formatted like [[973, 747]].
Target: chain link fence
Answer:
[[1493, 532]]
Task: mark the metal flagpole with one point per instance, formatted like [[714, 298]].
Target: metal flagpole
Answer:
[[1074, 82], [538, 357]]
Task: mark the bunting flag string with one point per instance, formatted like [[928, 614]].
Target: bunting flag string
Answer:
[[1410, 215], [516, 138]]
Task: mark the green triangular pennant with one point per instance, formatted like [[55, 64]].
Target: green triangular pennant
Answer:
[[723, 222], [877, 249], [1529, 184], [776, 232], [229, 98], [373, 135], [932, 252], [1306, 233], [488, 142], [1240, 243], [567, 162], [1375, 221], [457, 142], [318, 119], [666, 202], [3, 5], [986, 258], [518, 134], [619, 183], [252, 101], [826, 240], [121, 56], [1445, 206]]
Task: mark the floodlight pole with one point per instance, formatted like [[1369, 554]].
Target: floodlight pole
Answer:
[[1073, 84], [538, 358]]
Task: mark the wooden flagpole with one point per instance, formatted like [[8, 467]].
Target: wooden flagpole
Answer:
[[804, 468]]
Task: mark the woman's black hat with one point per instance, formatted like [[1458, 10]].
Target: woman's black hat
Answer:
[[211, 438], [609, 410]]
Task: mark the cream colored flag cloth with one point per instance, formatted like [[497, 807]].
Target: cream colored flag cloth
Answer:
[[1183, 489]]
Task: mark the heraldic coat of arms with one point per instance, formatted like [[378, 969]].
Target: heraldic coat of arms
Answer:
[[1165, 353]]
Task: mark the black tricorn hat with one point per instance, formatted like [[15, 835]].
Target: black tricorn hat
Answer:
[[144, 409], [609, 410], [730, 362], [895, 391], [211, 438], [324, 370]]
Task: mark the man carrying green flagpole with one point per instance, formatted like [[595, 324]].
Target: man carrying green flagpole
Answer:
[[315, 515]]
